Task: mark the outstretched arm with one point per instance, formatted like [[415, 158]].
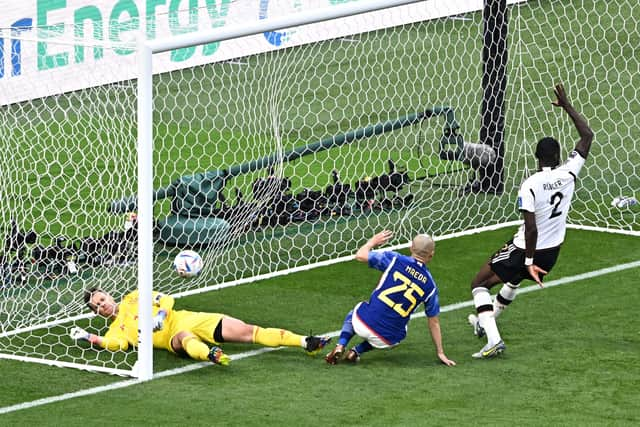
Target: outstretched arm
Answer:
[[113, 343], [436, 336], [586, 134], [379, 239]]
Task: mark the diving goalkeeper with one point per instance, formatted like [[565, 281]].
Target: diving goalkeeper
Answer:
[[182, 332]]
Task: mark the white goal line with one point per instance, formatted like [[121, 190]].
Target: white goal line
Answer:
[[312, 266], [246, 354]]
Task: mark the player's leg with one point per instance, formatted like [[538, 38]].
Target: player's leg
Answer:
[[193, 331], [544, 259], [505, 266], [485, 280], [354, 354], [346, 334], [485, 322], [504, 298], [235, 330], [371, 339], [185, 342]]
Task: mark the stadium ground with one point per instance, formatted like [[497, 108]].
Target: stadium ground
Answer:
[[570, 358]]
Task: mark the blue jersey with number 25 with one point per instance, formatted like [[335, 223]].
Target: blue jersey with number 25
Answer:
[[405, 283]]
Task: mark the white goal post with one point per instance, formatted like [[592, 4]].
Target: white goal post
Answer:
[[274, 138]]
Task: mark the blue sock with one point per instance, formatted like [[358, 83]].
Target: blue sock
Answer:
[[363, 347], [347, 330]]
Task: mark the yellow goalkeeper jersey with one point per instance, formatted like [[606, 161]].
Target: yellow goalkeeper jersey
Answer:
[[123, 331]]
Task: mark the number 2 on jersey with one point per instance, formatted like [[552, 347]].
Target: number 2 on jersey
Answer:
[[557, 195], [407, 288]]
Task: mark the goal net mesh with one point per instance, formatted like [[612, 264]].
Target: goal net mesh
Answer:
[[278, 160]]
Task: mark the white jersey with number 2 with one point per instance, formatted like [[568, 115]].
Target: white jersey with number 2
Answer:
[[548, 194]]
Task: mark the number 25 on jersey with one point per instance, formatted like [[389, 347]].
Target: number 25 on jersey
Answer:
[[396, 296]]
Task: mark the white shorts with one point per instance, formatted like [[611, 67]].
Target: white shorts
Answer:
[[366, 333]]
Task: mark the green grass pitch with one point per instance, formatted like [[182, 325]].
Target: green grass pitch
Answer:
[[572, 350], [571, 356]]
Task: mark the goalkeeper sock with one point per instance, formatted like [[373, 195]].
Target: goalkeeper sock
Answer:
[[273, 337], [195, 348]]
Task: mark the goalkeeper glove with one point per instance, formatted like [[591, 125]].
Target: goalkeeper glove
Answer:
[[158, 320], [79, 334]]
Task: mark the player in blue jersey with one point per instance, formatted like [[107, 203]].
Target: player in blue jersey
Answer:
[[405, 283]]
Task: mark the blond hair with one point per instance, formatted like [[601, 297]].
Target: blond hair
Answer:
[[422, 246]]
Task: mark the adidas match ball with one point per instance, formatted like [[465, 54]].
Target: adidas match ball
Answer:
[[188, 263], [624, 202]]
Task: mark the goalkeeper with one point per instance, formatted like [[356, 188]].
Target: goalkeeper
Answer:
[[182, 332]]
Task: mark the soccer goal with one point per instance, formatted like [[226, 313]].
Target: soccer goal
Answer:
[[272, 137]]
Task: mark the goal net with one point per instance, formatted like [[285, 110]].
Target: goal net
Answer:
[[287, 149]]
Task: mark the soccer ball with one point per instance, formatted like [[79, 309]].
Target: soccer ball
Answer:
[[188, 263], [624, 202]]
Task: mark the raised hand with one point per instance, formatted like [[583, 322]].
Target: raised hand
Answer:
[[381, 238], [561, 97]]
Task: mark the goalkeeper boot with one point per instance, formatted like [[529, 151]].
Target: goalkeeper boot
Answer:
[[475, 323], [217, 356], [489, 351], [335, 355], [353, 356], [315, 344]]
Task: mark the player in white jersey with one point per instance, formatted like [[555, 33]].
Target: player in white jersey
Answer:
[[544, 200]]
